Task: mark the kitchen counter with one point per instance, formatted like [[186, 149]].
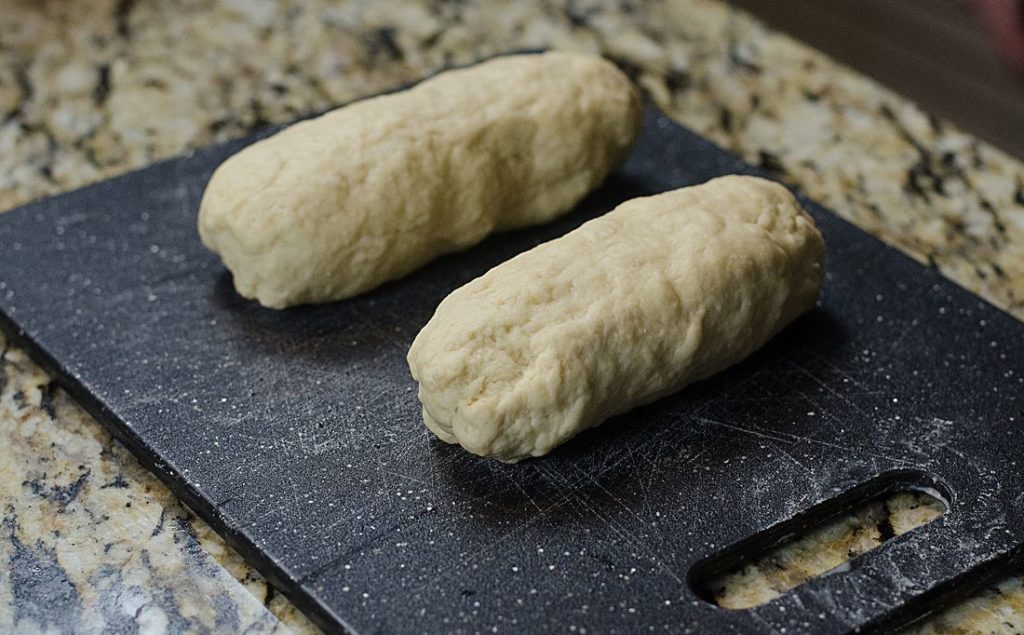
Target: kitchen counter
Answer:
[[90, 89]]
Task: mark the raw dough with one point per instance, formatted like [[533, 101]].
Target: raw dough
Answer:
[[337, 205], [632, 306]]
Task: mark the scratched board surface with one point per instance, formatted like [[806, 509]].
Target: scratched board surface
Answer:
[[297, 434]]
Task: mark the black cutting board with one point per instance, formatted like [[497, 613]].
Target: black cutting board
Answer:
[[297, 434]]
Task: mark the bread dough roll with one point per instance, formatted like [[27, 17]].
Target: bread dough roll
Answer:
[[661, 292], [334, 206]]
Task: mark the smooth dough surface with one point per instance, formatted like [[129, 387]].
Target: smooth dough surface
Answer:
[[334, 206], [632, 306]]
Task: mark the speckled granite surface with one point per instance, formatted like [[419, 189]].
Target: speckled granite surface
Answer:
[[92, 542], [824, 549], [92, 88]]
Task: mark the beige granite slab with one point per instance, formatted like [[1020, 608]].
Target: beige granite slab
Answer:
[[824, 549], [92, 542], [93, 88]]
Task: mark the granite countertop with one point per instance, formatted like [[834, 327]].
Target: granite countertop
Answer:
[[93, 88]]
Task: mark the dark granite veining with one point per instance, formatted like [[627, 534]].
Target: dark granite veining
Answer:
[[92, 89]]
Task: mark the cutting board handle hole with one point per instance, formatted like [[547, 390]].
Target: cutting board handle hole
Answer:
[[823, 540]]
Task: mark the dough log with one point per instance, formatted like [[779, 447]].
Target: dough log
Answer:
[[334, 206], [661, 292]]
